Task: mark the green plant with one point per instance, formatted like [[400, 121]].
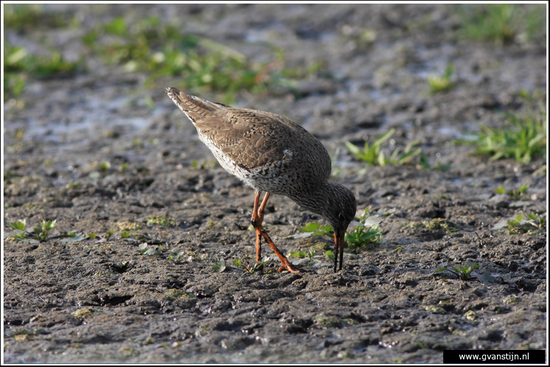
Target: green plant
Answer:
[[40, 232], [315, 229], [372, 153], [511, 299], [524, 140], [362, 237], [529, 223], [178, 293], [122, 167], [257, 266], [441, 83], [163, 220], [161, 50], [176, 255], [19, 65], [515, 194], [461, 272], [303, 254], [237, 262], [397, 158], [298, 254], [26, 17], [501, 23], [359, 237]]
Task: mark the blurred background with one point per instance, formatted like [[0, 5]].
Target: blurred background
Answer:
[[361, 67], [126, 242]]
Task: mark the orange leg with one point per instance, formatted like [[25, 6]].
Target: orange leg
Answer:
[[257, 220]]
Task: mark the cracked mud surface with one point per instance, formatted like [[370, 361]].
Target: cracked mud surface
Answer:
[[105, 300]]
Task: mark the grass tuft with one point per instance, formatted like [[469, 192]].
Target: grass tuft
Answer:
[[523, 140], [162, 50], [19, 65], [442, 83], [373, 154], [361, 236], [461, 272], [530, 223], [502, 23]]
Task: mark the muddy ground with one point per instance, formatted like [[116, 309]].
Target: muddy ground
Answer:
[[115, 299]]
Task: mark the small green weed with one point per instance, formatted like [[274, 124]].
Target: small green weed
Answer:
[[237, 262], [163, 220], [373, 154], [176, 256], [84, 312], [257, 266], [40, 232], [511, 299], [105, 166], [298, 254], [529, 223], [315, 229], [461, 272], [441, 83], [26, 17], [19, 65], [515, 194], [501, 23], [161, 50], [303, 254], [329, 255], [358, 238], [362, 237], [127, 226], [122, 167], [178, 293], [523, 141]]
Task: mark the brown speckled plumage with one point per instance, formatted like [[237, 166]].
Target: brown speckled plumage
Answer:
[[273, 154]]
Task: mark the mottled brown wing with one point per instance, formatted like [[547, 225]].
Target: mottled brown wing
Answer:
[[255, 140], [250, 138]]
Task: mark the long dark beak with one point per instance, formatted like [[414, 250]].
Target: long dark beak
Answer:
[[339, 248]]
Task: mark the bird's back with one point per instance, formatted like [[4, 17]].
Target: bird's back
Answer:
[[265, 150]]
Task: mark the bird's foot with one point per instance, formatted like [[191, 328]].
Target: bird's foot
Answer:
[[288, 266]]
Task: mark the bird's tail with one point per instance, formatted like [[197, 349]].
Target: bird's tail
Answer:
[[193, 107]]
